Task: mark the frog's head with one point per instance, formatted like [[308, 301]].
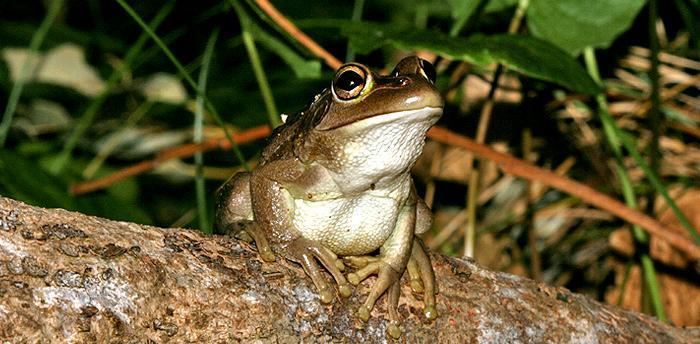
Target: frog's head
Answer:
[[375, 125], [359, 96]]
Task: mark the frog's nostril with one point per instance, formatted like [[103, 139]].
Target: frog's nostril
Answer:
[[405, 81]]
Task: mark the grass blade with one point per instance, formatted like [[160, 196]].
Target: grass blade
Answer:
[[183, 73], [249, 43], [357, 9], [93, 108], [612, 134], [654, 180], [16, 92]]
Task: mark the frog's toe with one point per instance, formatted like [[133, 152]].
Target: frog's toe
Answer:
[[420, 269], [393, 309], [266, 254], [345, 290], [363, 313], [386, 278], [359, 262], [393, 330], [369, 269], [430, 312], [326, 295], [417, 286], [415, 276], [307, 252], [253, 231]]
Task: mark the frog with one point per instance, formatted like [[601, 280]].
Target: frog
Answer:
[[333, 187]]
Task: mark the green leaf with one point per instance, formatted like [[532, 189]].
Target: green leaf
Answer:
[[24, 180], [499, 5], [461, 10], [575, 24], [528, 55]]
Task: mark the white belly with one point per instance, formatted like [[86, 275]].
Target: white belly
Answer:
[[347, 226]]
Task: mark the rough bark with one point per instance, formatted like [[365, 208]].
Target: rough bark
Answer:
[[68, 277]]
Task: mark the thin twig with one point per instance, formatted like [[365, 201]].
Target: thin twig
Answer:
[[654, 116], [484, 120], [535, 259], [506, 162], [517, 167], [183, 151]]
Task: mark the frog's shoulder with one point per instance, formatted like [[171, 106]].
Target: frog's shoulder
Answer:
[[286, 139]]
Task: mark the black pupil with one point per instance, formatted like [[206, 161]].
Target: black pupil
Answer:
[[428, 69], [348, 80]]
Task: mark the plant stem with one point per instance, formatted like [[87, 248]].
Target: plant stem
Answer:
[[254, 57], [535, 257], [37, 39], [357, 9], [484, 119], [615, 141], [652, 284], [654, 116], [202, 212], [616, 136]]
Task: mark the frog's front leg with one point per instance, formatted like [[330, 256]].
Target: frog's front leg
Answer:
[[273, 206], [389, 266], [420, 271]]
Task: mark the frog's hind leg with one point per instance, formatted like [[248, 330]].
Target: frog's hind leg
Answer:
[[423, 271], [234, 214]]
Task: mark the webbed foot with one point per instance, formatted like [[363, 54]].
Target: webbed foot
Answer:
[[421, 276], [387, 278]]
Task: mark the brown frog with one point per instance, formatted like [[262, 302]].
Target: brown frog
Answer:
[[334, 181]]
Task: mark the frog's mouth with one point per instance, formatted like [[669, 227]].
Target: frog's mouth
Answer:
[[427, 114]]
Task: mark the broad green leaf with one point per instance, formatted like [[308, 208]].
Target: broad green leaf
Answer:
[[528, 55], [575, 24]]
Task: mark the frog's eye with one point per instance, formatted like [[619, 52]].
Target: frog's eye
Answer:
[[349, 82], [428, 70]]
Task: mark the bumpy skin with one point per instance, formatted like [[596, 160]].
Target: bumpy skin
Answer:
[[334, 181]]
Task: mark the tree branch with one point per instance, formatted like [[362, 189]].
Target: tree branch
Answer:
[[69, 277]]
